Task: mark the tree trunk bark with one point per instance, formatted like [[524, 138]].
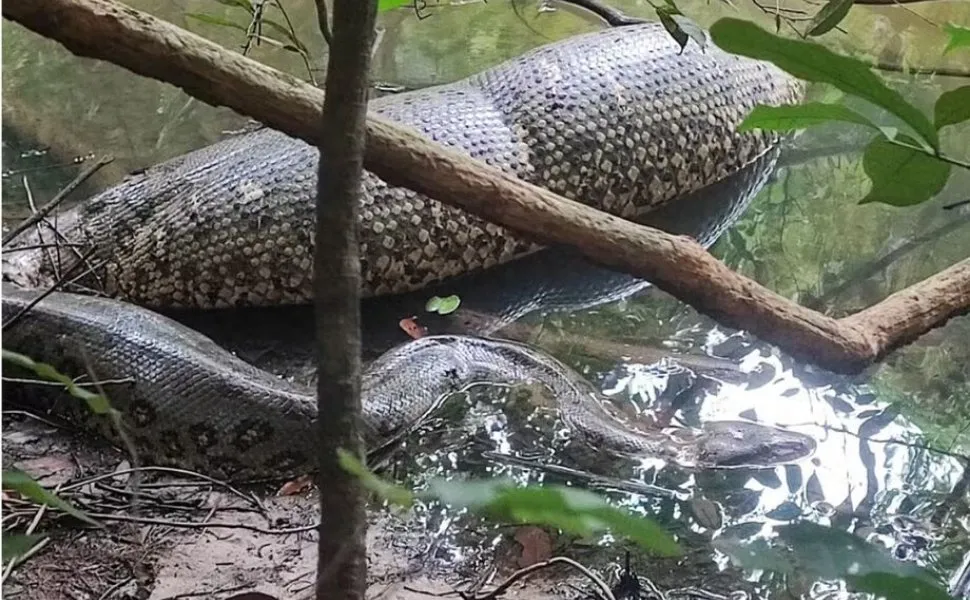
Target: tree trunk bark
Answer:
[[342, 559], [110, 31]]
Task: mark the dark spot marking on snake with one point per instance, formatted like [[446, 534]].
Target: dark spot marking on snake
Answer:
[[142, 414], [170, 442], [204, 436], [249, 433]]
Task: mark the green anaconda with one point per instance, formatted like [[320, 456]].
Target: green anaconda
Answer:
[[621, 119], [188, 402]]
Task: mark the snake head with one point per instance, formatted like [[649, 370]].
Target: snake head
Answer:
[[732, 444]]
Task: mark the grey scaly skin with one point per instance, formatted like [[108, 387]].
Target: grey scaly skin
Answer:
[[619, 119], [187, 402]]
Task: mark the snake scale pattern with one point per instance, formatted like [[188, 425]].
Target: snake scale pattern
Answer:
[[620, 119]]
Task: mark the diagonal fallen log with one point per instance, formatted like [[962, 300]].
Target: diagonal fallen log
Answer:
[[110, 31]]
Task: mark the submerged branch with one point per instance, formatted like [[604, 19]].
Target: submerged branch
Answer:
[[111, 31]]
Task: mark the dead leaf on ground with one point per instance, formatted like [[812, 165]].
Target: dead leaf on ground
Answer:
[[536, 545], [300, 485], [49, 471]]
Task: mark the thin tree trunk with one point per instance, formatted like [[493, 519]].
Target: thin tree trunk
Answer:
[[342, 560]]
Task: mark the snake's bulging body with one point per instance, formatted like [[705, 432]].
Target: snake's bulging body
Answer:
[[621, 120]]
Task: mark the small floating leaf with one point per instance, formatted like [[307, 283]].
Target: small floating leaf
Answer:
[[443, 306], [449, 305]]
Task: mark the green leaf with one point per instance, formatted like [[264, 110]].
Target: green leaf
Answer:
[[244, 4], [285, 31], [801, 116], [572, 510], [15, 545], [449, 305], [97, 403], [827, 553], [755, 555], [680, 27], [692, 29], [952, 107], [22, 483], [443, 306], [665, 13], [829, 16], [215, 20], [902, 176], [394, 494], [383, 5], [959, 37], [813, 62], [833, 553], [897, 587]]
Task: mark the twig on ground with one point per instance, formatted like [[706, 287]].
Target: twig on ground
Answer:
[[212, 593], [170, 470], [60, 197], [35, 417], [114, 588], [202, 525], [603, 589]]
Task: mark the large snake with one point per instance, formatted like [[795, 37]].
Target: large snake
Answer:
[[621, 119], [188, 402]]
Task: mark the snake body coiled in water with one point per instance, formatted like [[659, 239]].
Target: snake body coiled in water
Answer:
[[621, 120]]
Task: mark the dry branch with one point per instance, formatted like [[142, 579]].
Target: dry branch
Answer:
[[148, 46]]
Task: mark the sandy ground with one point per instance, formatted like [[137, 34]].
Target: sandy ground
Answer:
[[264, 544]]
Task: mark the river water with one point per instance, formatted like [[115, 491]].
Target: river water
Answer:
[[888, 466]]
